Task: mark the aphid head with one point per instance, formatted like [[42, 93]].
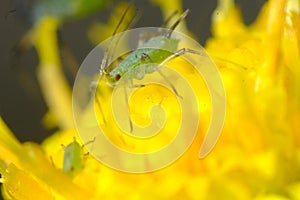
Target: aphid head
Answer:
[[113, 79]]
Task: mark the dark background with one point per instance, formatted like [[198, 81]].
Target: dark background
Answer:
[[22, 106]]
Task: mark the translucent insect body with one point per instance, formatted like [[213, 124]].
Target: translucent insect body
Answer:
[[73, 161], [148, 58], [135, 65], [73, 158]]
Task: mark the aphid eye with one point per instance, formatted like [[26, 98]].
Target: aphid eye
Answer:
[[118, 76]]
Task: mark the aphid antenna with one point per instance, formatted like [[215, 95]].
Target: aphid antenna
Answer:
[[181, 17], [64, 147], [103, 65], [164, 25], [230, 62], [166, 22], [107, 56], [132, 21]]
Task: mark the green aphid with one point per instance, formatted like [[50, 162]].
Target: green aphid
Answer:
[[136, 64], [74, 158], [157, 51], [150, 57]]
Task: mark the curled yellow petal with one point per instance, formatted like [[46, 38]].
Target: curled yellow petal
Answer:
[[53, 83], [17, 184]]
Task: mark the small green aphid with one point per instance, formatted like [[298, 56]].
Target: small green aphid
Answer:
[[146, 60], [136, 64], [73, 161]]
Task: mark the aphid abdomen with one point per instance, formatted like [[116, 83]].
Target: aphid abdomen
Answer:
[[139, 62], [73, 158]]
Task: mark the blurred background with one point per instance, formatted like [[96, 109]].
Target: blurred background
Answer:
[[22, 105]]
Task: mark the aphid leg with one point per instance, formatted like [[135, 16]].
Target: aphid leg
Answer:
[[146, 35], [145, 57], [127, 104], [179, 53], [181, 17], [51, 161], [100, 108], [230, 62], [135, 85], [94, 87], [89, 142], [171, 57], [171, 85]]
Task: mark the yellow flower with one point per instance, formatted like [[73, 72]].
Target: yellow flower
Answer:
[[257, 156], [28, 173]]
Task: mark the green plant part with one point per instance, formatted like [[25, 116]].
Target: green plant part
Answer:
[[67, 9]]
